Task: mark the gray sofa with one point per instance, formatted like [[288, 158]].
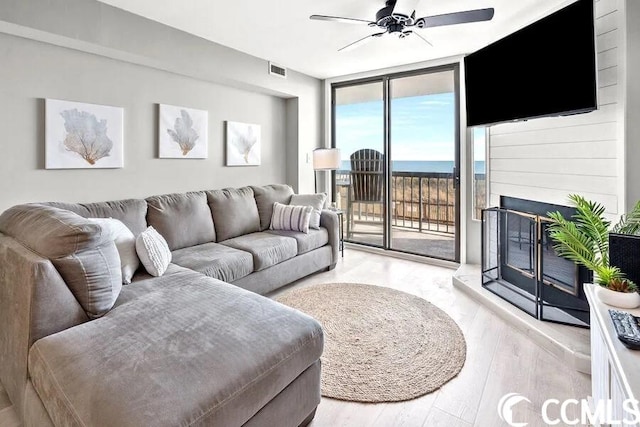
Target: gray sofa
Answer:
[[196, 346]]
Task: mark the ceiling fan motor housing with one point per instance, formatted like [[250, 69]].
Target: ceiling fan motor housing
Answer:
[[395, 28], [394, 22]]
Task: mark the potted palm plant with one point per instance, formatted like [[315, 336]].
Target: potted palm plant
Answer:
[[584, 239]]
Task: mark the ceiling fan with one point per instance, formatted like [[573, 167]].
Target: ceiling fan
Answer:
[[392, 20]]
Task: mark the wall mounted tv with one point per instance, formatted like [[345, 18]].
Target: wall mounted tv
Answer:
[[545, 69]]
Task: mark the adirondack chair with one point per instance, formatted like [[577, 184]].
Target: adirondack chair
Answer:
[[367, 182]]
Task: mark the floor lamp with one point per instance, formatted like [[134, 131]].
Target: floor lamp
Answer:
[[325, 159]]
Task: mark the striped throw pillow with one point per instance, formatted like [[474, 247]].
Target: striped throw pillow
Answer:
[[291, 218]]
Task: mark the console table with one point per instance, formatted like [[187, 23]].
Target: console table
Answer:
[[615, 370]]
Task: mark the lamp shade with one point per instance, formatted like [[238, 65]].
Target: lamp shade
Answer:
[[326, 159]]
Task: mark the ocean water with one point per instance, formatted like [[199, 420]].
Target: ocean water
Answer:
[[443, 166]]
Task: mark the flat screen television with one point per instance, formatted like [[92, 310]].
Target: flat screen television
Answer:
[[545, 69]]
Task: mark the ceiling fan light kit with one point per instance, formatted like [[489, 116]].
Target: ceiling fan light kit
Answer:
[[393, 22]]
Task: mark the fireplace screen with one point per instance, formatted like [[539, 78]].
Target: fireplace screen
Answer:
[[520, 242], [520, 265]]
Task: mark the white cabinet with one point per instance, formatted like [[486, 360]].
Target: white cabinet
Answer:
[[615, 370]]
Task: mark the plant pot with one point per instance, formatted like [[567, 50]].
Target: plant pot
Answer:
[[618, 299]]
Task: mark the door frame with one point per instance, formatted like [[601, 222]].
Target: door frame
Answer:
[[387, 144]]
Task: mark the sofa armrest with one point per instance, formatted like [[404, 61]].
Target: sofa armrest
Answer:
[[329, 220]]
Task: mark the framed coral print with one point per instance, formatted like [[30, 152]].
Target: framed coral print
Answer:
[[183, 133], [83, 136], [243, 144]]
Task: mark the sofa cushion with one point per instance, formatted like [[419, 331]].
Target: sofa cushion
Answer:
[[267, 249], [215, 260], [82, 251], [234, 212], [307, 242], [132, 212], [266, 196], [316, 201], [202, 352], [183, 219]]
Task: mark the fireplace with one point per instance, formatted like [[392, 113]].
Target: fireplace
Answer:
[[520, 265]]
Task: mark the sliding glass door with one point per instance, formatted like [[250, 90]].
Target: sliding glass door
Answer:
[[423, 148], [398, 184], [359, 129]]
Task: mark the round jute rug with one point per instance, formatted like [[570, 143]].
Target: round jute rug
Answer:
[[381, 345]]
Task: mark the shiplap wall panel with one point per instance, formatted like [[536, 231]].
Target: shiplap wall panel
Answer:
[[602, 167], [604, 8], [548, 159], [606, 22], [607, 40], [608, 95], [607, 58], [604, 114], [582, 133], [608, 77], [588, 152], [574, 183]]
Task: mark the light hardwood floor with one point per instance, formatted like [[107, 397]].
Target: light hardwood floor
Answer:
[[500, 359]]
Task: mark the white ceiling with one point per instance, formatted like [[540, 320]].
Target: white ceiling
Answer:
[[281, 31]]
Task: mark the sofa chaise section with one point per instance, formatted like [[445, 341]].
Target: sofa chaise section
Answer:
[[201, 351]]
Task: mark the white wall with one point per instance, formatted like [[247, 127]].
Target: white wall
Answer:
[[33, 71], [548, 159], [86, 51]]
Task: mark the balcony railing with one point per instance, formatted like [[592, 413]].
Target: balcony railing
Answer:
[[424, 201]]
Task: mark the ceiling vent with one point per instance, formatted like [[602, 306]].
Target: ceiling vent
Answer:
[[276, 70]]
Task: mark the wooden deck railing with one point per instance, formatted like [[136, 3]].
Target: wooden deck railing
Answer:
[[425, 201]]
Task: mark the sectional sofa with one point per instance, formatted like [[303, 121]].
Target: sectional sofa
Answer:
[[196, 346]]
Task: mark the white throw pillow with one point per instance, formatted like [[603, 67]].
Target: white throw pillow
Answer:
[[125, 243], [290, 218], [153, 251], [316, 201]]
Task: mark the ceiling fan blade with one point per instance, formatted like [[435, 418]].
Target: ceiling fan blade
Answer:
[[476, 15], [405, 7], [341, 19], [359, 42], [425, 40]]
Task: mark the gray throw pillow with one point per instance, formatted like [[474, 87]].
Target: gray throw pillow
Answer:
[[316, 201]]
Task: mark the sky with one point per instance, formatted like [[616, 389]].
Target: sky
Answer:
[[422, 128]]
